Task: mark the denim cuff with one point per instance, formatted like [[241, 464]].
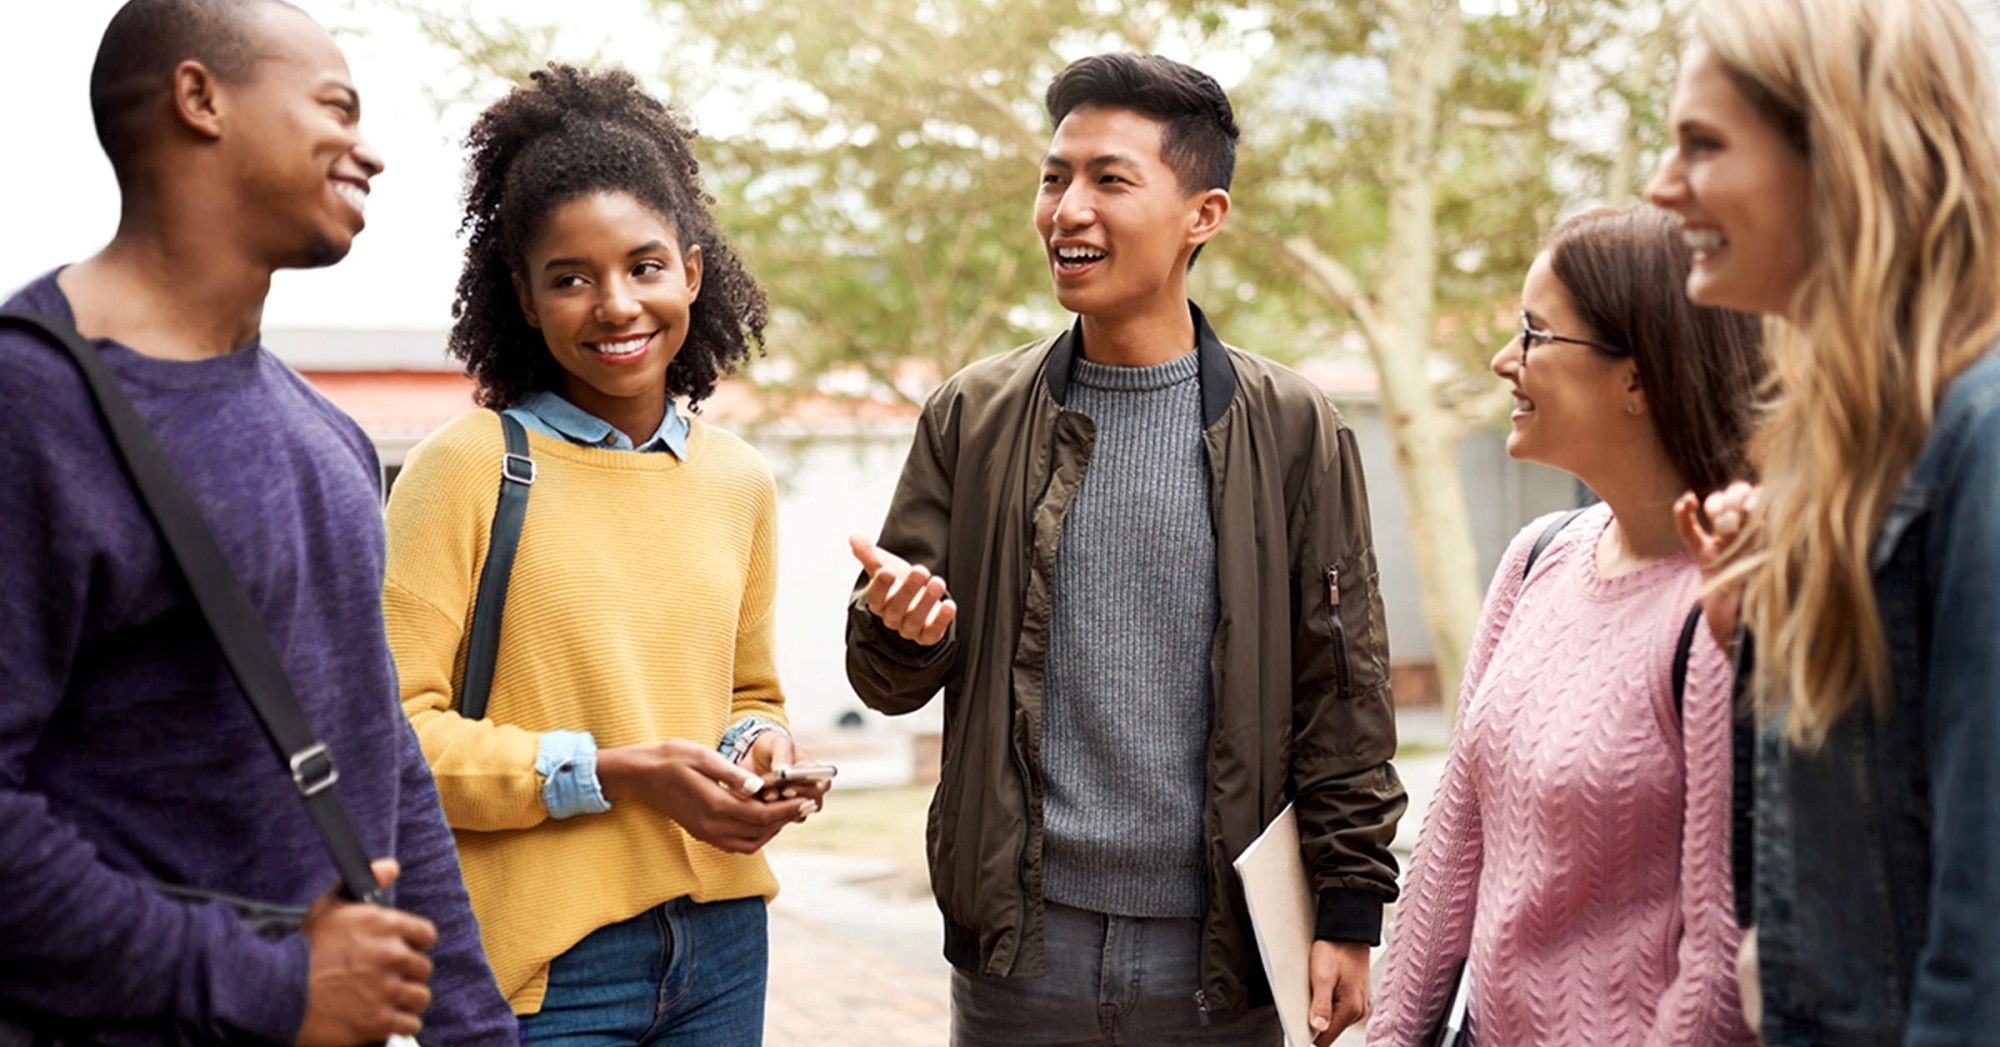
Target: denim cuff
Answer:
[[567, 762], [741, 735]]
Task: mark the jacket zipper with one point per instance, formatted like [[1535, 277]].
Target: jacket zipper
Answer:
[[1339, 634]]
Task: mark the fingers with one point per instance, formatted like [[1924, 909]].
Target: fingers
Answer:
[[1729, 509], [411, 1000], [911, 601], [873, 557], [779, 751], [1687, 523], [919, 608], [909, 596], [1320, 1016], [735, 780], [386, 870], [938, 621], [1349, 1008], [420, 933]]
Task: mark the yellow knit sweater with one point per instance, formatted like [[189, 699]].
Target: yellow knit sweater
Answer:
[[640, 610]]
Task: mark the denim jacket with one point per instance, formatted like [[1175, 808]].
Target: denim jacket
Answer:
[[1878, 857]]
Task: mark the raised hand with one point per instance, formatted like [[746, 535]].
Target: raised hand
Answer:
[[1729, 511], [910, 601], [713, 799], [368, 977]]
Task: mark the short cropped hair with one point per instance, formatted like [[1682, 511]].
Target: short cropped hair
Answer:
[[143, 44], [1199, 140]]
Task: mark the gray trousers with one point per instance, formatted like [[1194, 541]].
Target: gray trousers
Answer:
[[1111, 981]]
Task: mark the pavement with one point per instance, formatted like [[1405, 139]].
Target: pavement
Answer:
[[852, 964]]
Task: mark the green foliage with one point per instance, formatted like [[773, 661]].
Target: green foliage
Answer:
[[880, 170]]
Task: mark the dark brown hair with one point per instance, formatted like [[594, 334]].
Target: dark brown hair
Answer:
[[1626, 272]]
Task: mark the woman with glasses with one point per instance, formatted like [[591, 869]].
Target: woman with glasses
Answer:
[[1574, 867], [1837, 167]]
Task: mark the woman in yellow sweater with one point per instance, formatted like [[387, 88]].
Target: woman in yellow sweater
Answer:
[[610, 803]]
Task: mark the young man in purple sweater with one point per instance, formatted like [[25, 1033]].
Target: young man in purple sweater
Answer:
[[129, 758]]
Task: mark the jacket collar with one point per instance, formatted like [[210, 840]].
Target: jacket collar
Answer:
[[1216, 375]]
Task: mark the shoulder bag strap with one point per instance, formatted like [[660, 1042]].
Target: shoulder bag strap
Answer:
[[235, 622], [517, 475]]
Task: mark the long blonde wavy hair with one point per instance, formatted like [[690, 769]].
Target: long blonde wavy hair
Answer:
[[1893, 105]]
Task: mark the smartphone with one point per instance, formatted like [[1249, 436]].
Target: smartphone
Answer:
[[784, 778], [807, 772]]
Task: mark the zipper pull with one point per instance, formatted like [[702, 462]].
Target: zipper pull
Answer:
[[1333, 586]]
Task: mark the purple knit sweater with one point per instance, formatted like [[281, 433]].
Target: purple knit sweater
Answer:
[[127, 753]]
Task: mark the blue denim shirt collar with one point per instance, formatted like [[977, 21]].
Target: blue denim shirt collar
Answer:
[[559, 418]]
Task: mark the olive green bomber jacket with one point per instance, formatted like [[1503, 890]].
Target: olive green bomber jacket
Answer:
[[1301, 686]]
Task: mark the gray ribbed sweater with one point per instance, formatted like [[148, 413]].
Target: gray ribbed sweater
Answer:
[[1127, 707]]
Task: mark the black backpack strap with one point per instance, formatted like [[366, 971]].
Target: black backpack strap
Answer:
[[1682, 652], [517, 475], [1547, 536], [235, 622]]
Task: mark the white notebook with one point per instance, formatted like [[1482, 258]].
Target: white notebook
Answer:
[[1281, 910]]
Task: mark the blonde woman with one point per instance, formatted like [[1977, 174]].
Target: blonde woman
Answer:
[[1834, 168]]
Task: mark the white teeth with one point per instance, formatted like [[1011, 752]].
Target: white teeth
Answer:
[[622, 347], [355, 196], [1703, 240], [1079, 254], [1522, 403]]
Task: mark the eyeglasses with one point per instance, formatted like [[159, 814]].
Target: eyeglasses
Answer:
[[1532, 337]]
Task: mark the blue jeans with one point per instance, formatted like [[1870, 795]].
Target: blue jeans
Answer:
[[689, 974], [1110, 981]]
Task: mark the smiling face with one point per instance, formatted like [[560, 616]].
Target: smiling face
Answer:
[[1569, 399], [1115, 222], [293, 139], [610, 288], [1742, 192]]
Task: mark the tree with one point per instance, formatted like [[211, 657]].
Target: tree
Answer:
[[1401, 162]]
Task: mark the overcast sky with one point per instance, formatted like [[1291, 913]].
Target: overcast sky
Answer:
[[58, 202]]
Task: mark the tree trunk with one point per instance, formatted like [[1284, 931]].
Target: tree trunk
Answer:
[[1429, 37]]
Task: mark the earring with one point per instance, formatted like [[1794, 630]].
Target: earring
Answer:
[[1631, 408]]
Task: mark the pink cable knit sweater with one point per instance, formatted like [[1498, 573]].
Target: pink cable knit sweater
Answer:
[[1579, 842]]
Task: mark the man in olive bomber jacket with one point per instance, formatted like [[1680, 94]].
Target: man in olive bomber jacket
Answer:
[[1162, 621]]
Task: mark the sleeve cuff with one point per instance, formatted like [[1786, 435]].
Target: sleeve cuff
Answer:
[[741, 735], [567, 762], [1348, 916]]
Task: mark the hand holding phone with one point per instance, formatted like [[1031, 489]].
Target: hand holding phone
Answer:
[[800, 779]]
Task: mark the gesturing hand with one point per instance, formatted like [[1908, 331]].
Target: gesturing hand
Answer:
[[911, 602], [368, 978], [1729, 510], [713, 799]]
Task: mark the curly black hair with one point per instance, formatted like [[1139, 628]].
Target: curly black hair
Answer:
[[571, 133]]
